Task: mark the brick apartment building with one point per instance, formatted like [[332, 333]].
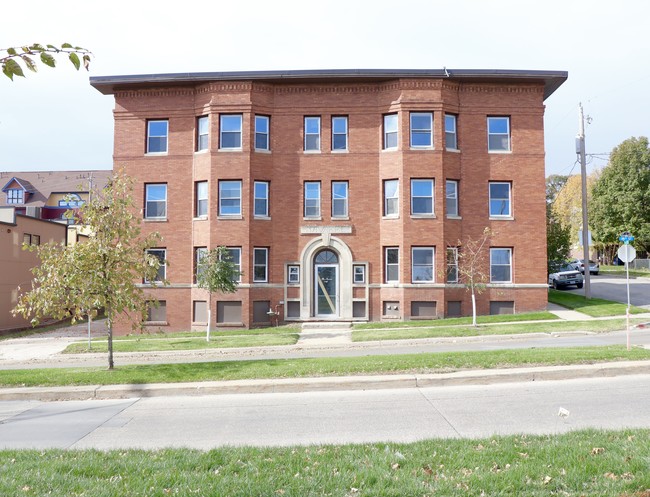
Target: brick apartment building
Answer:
[[342, 195]]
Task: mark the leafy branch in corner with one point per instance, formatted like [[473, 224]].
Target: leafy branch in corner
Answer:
[[11, 58]]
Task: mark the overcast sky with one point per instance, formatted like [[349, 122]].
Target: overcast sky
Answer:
[[55, 120]]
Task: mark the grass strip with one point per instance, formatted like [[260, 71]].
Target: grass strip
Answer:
[[430, 323], [318, 367], [575, 464], [592, 307], [500, 329]]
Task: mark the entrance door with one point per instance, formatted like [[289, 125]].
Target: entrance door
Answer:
[[326, 290]]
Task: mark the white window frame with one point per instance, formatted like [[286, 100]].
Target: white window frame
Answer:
[[431, 266], [309, 134], [201, 206], [237, 263], [336, 200], [199, 254], [388, 265], [150, 136], [494, 265], [421, 131], [147, 201], [263, 134], [451, 198], [452, 265], [451, 131], [15, 196], [222, 198], [264, 264], [335, 134], [359, 274], [265, 212], [306, 186], [498, 215], [202, 133], [395, 198], [499, 135], [293, 274], [414, 197], [228, 133], [391, 131], [163, 264]]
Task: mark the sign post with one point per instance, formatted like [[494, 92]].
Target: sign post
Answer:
[[627, 253]]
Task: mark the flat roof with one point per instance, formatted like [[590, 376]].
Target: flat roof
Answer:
[[552, 80]]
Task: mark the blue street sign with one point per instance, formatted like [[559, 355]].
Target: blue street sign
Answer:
[[626, 237]]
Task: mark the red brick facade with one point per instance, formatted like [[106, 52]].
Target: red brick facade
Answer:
[[354, 286]]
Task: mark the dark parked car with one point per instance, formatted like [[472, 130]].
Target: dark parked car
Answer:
[[566, 275]]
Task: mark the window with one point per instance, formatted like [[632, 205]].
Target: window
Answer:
[[36, 239], [451, 138], [199, 254], [260, 265], [452, 264], [422, 264], [500, 200], [391, 256], [157, 311], [391, 197], [261, 200], [390, 131], [71, 200], [312, 199], [498, 134], [155, 201], [262, 133], [422, 196], [230, 130], [234, 256], [421, 129], [312, 133], [27, 239], [16, 196], [199, 311], [452, 198], [157, 132], [500, 265], [230, 198], [202, 133], [201, 199], [339, 199], [359, 274], [340, 133], [161, 255], [293, 274]]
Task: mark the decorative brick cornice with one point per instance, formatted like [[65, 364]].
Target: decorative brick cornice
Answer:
[[155, 92], [309, 88], [501, 88]]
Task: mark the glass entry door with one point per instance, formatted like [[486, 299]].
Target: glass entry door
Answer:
[[326, 289]]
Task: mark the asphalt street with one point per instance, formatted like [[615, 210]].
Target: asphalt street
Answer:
[[615, 288]]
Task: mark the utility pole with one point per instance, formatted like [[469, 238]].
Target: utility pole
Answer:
[[580, 150]]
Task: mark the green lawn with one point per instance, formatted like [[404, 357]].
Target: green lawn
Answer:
[[317, 367], [592, 307], [620, 271], [576, 464]]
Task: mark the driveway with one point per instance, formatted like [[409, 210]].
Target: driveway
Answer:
[[615, 288]]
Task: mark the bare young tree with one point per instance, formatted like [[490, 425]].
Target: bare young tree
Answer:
[[474, 265]]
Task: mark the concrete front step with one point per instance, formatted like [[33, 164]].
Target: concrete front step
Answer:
[[326, 325]]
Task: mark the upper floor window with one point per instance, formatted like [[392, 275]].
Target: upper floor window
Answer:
[[262, 133], [422, 196], [201, 209], [261, 200], [260, 265], [230, 131], [234, 256], [312, 133], [501, 265], [500, 200], [391, 197], [452, 198], [155, 201], [161, 255], [451, 137], [422, 264], [312, 199], [391, 262], [390, 131], [230, 198], [339, 199], [71, 200], [157, 132], [421, 129], [452, 264], [16, 196], [202, 133], [498, 134], [339, 133]]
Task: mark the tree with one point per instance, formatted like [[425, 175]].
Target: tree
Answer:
[[567, 206], [216, 273], [558, 235], [621, 195], [554, 184], [101, 272], [474, 267], [10, 58]]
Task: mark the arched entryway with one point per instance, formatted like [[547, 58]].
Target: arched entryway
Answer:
[[326, 284]]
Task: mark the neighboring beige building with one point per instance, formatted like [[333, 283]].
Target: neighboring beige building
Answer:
[[16, 263]]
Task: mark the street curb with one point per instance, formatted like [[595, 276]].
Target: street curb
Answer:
[[295, 385]]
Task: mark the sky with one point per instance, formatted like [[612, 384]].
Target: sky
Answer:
[[54, 120]]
